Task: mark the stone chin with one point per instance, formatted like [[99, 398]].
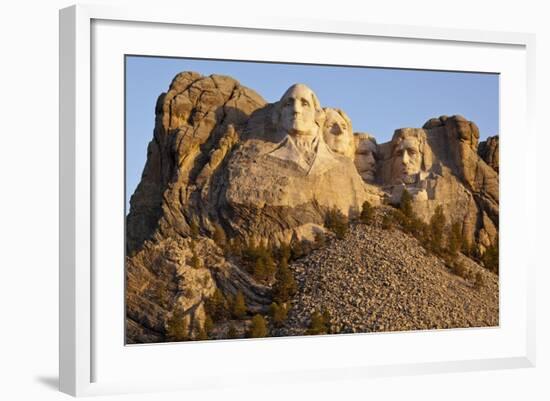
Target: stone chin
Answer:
[[367, 176], [298, 128], [407, 179]]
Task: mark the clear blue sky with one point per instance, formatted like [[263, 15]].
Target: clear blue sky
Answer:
[[377, 100]]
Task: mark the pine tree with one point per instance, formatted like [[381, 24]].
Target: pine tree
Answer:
[[285, 252], [455, 239], [437, 228], [258, 328], [259, 270], [177, 328], [479, 282], [278, 314], [405, 205], [387, 221], [194, 228], [219, 236], [217, 306], [336, 222], [239, 306], [320, 239], [232, 331], [195, 260], [202, 335], [367, 213], [317, 324], [208, 324], [490, 258], [285, 284]]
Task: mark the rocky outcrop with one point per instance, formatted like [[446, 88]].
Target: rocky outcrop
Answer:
[[384, 280], [225, 165], [178, 275], [447, 171], [488, 151], [198, 122]]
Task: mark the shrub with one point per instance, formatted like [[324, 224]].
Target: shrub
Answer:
[[320, 239], [194, 228], [479, 281], [387, 222], [459, 269], [208, 324], [490, 258], [258, 328], [336, 222], [176, 327], [279, 314], [317, 324], [236, 246], [217, 306], [285, 285], [405, 204], [455, 239], [239, 306], [195, 260], [436, 229], [202, 335], [232, 331], [219, 236], [367, 213]]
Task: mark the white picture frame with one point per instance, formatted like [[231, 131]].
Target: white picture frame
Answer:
[[88, 358]]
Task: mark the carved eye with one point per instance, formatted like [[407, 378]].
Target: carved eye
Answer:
[[344, 127], [305, 102]]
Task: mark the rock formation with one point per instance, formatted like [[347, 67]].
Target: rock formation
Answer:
[[488, 151], [366, 151], [439, 165], [338, 132], [226, 170]]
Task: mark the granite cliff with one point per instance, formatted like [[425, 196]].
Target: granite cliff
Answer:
[[233, 185]]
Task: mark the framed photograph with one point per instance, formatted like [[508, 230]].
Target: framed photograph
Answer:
[[290, 199]]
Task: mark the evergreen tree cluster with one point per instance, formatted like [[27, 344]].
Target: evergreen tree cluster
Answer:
[[320, 323], [336, 222], [443, 239]]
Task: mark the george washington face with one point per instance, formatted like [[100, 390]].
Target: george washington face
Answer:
[[298, 110]]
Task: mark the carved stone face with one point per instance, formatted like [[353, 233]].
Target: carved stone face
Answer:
[[298, 111], [406, 160], [338, 134], [365, 156]]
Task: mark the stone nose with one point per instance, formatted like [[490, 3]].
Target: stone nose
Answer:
[[405, 158]]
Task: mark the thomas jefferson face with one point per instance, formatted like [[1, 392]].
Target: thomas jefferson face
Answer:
[[338, 133], [406, 160], [298, 111]]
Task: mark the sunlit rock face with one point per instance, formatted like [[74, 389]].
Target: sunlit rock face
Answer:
[[221, 157], [292, 176], [489, 151], [439, 165], [365, 156], [338, 132]]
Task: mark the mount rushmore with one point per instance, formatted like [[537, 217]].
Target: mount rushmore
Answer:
[[223, 160]]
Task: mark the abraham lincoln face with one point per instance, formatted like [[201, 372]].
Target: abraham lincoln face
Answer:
[[407, 155]]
